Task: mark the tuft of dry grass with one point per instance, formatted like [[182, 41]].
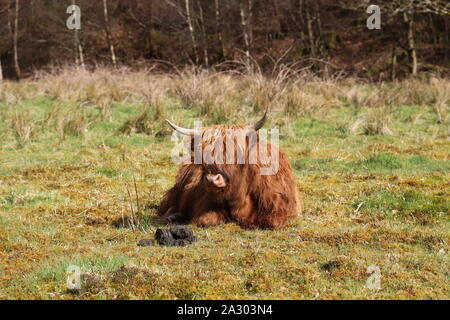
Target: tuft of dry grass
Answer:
[[373, 121], [267, 91], [193, 86], [131, 204], [306, 98], [73, 123], [139, 124], [23, 125], [440, 98], [155, 101]]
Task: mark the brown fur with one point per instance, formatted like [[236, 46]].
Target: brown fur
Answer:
[[250, 199]]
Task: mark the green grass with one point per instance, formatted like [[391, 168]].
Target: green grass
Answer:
[[405, 204], [380, 163], [28, 198], [368, 200]]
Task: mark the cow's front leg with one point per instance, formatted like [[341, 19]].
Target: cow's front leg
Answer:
[[171, 216], [249, 215], [243, 212], [176, 217], [209, 219]]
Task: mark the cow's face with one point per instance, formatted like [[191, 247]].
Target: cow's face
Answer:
[[218, 177]]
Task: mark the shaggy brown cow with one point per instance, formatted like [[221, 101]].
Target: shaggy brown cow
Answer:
[[208, 194]]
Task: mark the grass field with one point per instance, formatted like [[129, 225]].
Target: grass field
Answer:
[[372, 163]]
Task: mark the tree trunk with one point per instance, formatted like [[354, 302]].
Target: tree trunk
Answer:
[[393, 63], [434, 33], [278, 17], [191, 29], [412, 53], [447, 38], [108, 33], [81, 55], [318, 35], [301, 6], [147, 27], [219, 29], [15, 40], [150, 31], [309, 26], [78, 48], [202, 28], [296, 14], [244, 23], [249, 21]]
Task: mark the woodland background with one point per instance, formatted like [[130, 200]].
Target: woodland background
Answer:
[[324, 36]]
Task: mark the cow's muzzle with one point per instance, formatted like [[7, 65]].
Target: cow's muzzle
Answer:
[[216, 180]]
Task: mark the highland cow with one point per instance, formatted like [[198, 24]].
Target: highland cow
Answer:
[[217, 191]]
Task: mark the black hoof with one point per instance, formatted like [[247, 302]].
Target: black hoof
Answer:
[[174, 218]]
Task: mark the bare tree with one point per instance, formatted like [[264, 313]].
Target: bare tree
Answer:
[[408, 9], [203, 31], [191, 28], [438, 7], [219, 28], [187, 15], [245, 18], [78, 48], [408, 17], [146, 24], [278, 18], [15, 39], [309, 25], [393, 62], [318, 25], [108, 33]]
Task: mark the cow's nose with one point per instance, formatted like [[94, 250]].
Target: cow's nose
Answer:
[[212, 177], [216, 179]]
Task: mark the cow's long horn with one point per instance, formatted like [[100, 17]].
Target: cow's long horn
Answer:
[[261, 122], [185, 131]]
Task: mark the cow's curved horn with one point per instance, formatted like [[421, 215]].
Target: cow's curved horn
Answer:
[[261, 122], [185, 131]]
